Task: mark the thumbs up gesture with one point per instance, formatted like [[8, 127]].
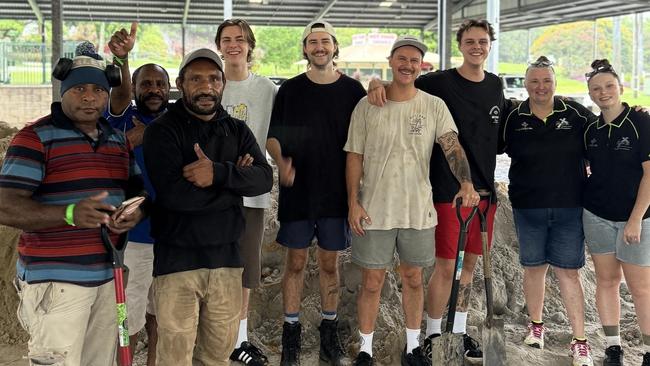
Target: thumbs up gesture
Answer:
[[136, 133], [122, 41], [200, 172]]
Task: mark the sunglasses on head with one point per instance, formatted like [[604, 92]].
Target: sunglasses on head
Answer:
[[600, 69], [542, 62]]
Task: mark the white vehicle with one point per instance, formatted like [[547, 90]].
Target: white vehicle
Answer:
[[513, 86]]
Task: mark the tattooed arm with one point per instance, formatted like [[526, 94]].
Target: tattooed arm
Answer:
[[459, 166]]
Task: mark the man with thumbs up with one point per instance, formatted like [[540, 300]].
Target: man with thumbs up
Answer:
[[201, 162], [149, 86]]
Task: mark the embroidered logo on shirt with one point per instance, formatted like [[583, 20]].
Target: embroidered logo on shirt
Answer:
[[495, 115], [623, 144], [239, 111], [524, 127], [415, 125], [593, 143], [563, 124]]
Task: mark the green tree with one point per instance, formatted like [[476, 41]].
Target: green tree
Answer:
[[11, 29], [150, 43], [572, 45], [280, 46]]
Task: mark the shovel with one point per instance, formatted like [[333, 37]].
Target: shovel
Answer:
[[494, 346], [116, 257], [447, 349]]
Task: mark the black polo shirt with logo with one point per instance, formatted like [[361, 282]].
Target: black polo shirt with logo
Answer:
[[547, 169], [477, 109], [615, 152]]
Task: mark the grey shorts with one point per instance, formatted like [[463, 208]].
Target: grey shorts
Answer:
[[606, 237], [376, 249]]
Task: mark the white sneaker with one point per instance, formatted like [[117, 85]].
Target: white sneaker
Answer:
[[535, 337], [581, 353]]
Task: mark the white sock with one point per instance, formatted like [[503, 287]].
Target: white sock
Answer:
[[434, 326], [242, 336], [412, 339], [613, 340], [366, 343], [460, 323]]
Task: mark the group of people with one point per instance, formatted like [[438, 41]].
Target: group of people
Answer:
[[379, 173]]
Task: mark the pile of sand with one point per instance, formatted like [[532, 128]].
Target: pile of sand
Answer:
[[266, 313]]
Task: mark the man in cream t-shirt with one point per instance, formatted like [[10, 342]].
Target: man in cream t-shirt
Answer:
[[389, 149], [247, 97]]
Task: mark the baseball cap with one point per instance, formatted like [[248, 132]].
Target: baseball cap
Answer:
[[201, 53], [318, 26], [408, 40]]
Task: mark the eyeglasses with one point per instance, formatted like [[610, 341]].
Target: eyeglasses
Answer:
[[600, 69], [541, 62]]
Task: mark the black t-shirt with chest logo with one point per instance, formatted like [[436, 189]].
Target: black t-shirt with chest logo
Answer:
[[615, 152], [477, 109], [547, 167]]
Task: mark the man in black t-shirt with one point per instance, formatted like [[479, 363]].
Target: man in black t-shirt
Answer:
[[476, 102], [308, 130]]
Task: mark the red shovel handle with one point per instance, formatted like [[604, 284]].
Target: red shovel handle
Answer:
[[123, 347]]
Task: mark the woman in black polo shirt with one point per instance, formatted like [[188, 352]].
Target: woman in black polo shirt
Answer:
[[616, 201]]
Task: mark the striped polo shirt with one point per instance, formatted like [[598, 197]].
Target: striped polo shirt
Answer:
[[61, 165]]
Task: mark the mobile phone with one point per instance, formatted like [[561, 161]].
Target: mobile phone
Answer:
[[128, 207]]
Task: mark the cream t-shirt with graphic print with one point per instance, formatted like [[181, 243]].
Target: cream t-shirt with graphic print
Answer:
[[396, 141]]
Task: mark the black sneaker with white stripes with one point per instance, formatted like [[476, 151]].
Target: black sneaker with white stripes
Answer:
[[248, 354]]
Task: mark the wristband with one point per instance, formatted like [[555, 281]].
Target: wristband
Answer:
[[119, 61], [69, 214]]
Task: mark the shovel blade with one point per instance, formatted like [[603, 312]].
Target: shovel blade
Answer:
[[447, 350], [494, 344]]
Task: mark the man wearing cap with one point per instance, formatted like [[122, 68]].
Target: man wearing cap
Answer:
[[149, 87], [389, 150], [198, 160], [309, 126], [62, 177], [476, 102]]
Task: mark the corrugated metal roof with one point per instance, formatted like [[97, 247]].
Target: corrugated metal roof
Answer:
[[515, 14]]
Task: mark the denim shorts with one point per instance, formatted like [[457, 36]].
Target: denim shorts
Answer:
[[376, 249], [606, 237], [550, 236], [332, 233]]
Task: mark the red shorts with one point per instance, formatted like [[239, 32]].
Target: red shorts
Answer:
[[448, 230]]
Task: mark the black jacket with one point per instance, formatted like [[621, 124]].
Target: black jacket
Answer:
[[188, 216]]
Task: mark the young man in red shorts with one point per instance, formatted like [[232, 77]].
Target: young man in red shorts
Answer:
[[475, 99]]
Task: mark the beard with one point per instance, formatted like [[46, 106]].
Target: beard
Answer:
[[141, 103], [192, 103]]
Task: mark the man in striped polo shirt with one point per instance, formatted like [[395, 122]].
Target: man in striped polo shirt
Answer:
[[62, 177]]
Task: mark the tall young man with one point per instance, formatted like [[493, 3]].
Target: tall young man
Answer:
[[309, 127], [247, 97], [475, 99], [389, 149]]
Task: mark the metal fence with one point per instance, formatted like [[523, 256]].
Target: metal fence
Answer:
[[28, 63]]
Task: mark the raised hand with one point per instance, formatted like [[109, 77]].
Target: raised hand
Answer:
[[122, 41]]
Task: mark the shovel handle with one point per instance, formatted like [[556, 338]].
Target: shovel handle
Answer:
[[123, 347], [460, 256], [487, 264]]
